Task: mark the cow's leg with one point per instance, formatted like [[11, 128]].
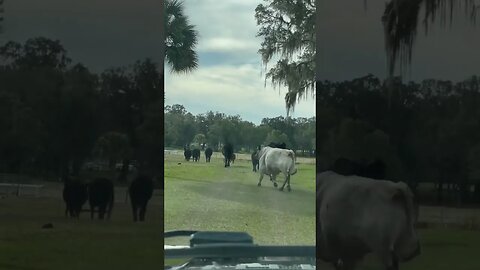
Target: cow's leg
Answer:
[[260, 180], [101, 211], [389, 259], [288, 183], [273, 178], [143, 211], [286, 179]]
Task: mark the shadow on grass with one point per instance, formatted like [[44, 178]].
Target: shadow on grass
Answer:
[[296, 202]]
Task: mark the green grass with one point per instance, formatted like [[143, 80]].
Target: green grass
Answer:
[[442, 249], [77, 244], [207, 196]]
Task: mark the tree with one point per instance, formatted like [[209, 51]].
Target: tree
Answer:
[[180, 38], [112, 146], [277, 136], [1, 15], [288, 31], [400, 23]]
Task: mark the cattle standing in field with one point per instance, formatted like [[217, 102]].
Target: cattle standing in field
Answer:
[[358, 215], [140, 191], [227, 153], [196, 155], [101, 195], [208, 154], [255, 160], [232, 159], [75, 195], [187, 153], [277, 145], [274, 161]]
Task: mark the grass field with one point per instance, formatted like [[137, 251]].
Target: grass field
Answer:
[[207, 196], [77, 244]]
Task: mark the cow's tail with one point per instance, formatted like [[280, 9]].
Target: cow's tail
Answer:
[[404, 196]]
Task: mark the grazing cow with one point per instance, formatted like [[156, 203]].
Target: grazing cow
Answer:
[[358, 215], [75, 195], [255, 160], [196, 155], [227, 153], [208, 154], [274, 161], [140, 191], [101, 195], [277, 145], [187, 153]]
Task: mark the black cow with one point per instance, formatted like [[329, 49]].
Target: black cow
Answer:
[[75, 195], [140, 191], [227, 153], [255, 160], [208, 154], [101, 195], [278, 145], [187, 153], [374, 170], [196, 155]]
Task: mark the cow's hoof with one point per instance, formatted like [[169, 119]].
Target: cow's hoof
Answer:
[[259, 185], [289, 189], [275, 185], [281, 189]]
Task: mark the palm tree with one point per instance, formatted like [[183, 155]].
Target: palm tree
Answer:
[[1, 16], [180, 38], [400, 23]]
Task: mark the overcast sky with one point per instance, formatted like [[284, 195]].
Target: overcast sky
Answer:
[[229, 78], [352, 44]]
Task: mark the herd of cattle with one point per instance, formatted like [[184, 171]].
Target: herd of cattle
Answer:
[[270, 160], [100, 195]]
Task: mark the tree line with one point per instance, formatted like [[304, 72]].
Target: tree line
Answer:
[[426, 131], [55, 115], [215, 128]]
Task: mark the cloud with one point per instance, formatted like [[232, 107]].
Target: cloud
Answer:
[[226, 44], [232, 90]]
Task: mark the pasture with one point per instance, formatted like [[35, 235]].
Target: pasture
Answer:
[[78, 244], [442, 249], [207, 196]]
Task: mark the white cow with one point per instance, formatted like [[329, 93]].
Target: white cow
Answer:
[[274, 161], [358, 215]]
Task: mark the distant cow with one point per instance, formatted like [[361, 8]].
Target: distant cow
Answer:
[[358, 215], [277, 145], [187, 153], [255, 163], [140, 191], [208, 154], [75, 195], [101, 195], [227, 153], [196, 155], [233, 158], [375, 169], [274, 161]]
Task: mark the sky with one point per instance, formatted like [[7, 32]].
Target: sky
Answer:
[[229, 78], [99, 34], [352, 45]]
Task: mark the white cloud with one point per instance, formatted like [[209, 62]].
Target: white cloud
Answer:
[[226, 44], [231, 90]]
